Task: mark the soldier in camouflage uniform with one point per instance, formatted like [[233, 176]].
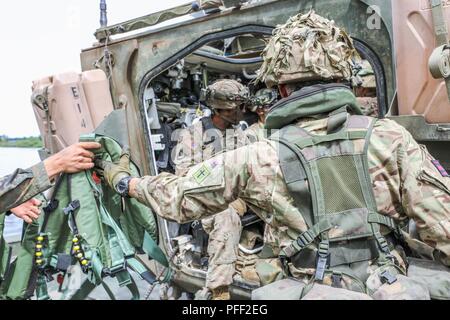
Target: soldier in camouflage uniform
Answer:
[[366, 91], [23, 185], [402, 180], [260, 104], [205, 139]]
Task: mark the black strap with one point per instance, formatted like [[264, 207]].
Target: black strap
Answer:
[[53, 203]]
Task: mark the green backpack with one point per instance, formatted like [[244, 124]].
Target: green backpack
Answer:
[[86, 222], [328, 178], [5, 253]]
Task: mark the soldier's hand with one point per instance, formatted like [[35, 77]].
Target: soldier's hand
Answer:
[[111, 172], [28, 211], [239, 206], [73, 159]]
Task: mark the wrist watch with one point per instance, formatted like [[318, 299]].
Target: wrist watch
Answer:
[[123, 187]]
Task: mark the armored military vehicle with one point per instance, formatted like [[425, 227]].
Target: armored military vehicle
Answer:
[[155, 67]]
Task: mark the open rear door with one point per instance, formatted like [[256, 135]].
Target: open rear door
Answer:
[[418, 92]]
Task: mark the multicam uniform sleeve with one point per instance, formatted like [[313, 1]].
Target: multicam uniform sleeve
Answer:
[[206, 189], [417, 188], [23, 185], [426, 195], [183, 158]]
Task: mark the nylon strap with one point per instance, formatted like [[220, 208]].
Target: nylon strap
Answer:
[[440, 24], [41, 289], [306, 238]]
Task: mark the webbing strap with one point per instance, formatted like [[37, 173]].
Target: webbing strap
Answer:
[[83, 292], [306, 238], [323, 254], [343, 135], [134, 290], [439, 21], [41, 289], [142, 271], [154, 251], [108, 291]]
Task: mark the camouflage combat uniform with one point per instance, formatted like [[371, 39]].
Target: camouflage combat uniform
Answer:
[[367, 81], [196, 144], [255, 132], [22, 185], [406, 181]]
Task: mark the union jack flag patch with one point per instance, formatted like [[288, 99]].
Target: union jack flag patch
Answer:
[[441, 169]]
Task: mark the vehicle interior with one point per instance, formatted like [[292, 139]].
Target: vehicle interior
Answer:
[[173, 100]]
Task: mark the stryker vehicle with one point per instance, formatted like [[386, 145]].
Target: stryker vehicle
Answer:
[[155, 67]]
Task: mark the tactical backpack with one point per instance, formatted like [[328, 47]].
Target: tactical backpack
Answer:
[[86, 222], [328, 178], [5, 252]]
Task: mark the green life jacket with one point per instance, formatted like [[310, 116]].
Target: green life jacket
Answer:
[[86, 222], [18, 284], [5, 253], [328, 178]]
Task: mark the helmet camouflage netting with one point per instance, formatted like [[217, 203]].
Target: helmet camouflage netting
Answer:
[[308, 47], [226, 94]]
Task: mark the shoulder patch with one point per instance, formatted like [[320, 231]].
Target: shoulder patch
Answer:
[[201, 174], [440, 168]]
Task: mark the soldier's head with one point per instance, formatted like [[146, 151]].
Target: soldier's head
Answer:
[[227, 98], [306, 50], [261, 102]]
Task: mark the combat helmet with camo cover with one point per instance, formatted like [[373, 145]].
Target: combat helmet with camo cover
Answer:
[[263, 98], [226, 94], [307, 48]]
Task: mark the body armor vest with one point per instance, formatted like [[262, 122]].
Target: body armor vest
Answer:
[[328, 178]]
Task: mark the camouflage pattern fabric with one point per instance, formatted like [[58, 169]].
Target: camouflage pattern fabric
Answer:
[[255, 132], [285, 289], [196, 144], [208, 4], [226, 94], [405, 288], [435, 276], [365, 76], [23, 185], [224, 231], [405, 181], [308, 47]]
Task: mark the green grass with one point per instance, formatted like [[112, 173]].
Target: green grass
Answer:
[[28, 142]]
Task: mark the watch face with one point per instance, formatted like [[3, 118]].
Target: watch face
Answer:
[[122, 186]]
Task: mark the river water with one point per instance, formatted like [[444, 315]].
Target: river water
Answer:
[[10, 160]]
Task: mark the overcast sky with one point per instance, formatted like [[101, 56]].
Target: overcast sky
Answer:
[[41, 38]]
